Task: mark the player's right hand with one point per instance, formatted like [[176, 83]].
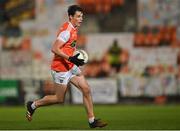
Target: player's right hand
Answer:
[[74, 59]]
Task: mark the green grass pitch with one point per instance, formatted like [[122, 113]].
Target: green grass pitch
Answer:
[[73, 117]]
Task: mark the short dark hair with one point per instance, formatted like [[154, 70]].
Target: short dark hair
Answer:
[[73, 8]]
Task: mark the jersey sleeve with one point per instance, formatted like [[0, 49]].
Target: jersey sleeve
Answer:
[[64, 36]]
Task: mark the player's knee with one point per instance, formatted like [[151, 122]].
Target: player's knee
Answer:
[[86, 91], [60, 100]]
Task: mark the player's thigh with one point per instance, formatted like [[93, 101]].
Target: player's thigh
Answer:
[[60, 82], [81, 83]]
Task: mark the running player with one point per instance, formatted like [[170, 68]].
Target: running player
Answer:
[[65, 69]]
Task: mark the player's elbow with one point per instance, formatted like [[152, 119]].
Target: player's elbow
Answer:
[[53, 50]]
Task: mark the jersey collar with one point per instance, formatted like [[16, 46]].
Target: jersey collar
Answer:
[[71, 25]]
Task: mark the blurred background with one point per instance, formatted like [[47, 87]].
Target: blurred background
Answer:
[[133, 47]]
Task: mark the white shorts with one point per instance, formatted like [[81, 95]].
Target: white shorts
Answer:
[[65, 77]]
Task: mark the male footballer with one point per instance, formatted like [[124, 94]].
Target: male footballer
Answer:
[[65, 69]]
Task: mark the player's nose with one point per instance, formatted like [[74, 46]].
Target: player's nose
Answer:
[[81, 19]]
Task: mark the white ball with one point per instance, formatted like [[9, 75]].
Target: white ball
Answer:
[[82, 55]]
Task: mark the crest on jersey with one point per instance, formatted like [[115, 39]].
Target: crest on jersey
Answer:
[[73, 44]]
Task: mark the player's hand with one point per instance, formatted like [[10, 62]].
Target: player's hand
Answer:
[[74, 59]]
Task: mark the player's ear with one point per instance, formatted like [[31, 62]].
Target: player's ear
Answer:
[[70, 17]]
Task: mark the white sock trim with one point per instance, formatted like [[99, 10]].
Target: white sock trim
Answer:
[[33, 106], [91, 120]]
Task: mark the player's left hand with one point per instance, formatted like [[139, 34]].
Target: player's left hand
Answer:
[[74, 59]]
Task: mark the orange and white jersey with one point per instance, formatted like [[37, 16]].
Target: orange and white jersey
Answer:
[[68, 34]]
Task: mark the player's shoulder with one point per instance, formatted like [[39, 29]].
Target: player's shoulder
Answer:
[[65, 24], [66, 27]]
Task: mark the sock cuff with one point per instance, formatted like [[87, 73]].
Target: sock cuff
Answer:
[[91, 120], [33, 106]]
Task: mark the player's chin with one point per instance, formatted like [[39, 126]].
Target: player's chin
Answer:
[[79, 24]]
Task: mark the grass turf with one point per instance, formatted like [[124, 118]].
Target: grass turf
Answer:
[[119, 117]]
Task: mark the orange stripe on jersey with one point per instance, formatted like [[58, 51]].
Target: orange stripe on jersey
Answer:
[[61, 64]]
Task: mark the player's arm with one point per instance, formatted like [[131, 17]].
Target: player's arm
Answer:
[[62, 38], [56, 49]]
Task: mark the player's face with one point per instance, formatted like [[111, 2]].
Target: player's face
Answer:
[[77, 19]]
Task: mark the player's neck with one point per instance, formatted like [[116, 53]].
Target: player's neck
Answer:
[[73, 25]]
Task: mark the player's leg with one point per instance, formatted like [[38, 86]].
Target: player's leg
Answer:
[[81, 83], [58, 97], [60, 90]]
